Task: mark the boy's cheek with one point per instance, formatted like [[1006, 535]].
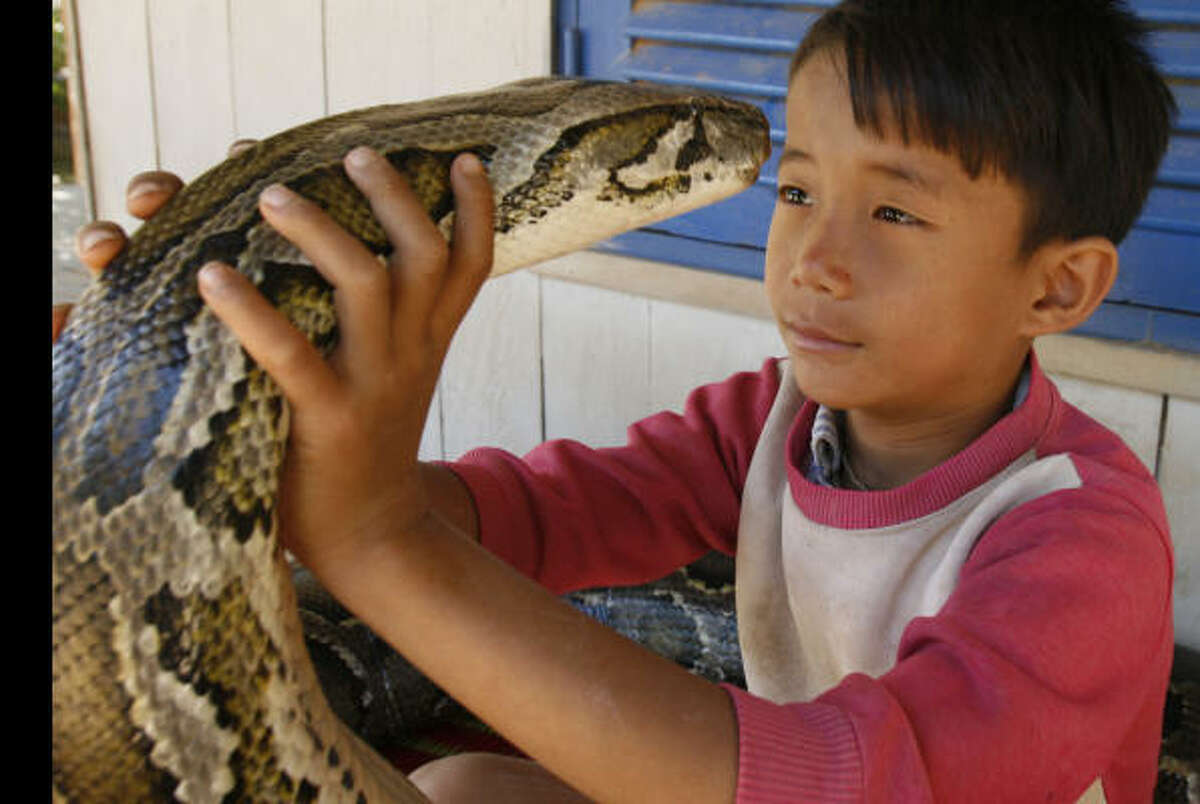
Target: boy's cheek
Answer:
[[775, 284], [782, 250]]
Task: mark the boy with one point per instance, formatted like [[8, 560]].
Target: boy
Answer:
[[951, 585]]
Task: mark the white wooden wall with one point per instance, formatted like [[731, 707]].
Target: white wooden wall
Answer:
[[586, 344]]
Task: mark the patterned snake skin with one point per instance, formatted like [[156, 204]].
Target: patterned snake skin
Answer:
[[179, 663], [687, 617]]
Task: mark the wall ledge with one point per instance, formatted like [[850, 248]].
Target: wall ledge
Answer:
[[1127, 365]]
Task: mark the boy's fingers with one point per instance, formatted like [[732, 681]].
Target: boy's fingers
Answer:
[[336, 253], [147, 192], [396, 207], [266, 334], [240, 145], [359, 279], [473, 238], [97, 243], [419, 249]]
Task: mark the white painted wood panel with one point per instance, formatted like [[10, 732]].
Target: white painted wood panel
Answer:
[[381, 51], [278, 65], [481, 44], [1135, 416], [1179, 477], [491, 390], [378, 51], [431, 448], [189, 51], [596, 359], [117, 100], [691, 346]]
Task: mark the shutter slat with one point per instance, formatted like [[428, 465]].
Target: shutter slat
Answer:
[[1181, 165], [736, 72], [1176, 52], [722, 25], [1188, 98], [1168, 12]]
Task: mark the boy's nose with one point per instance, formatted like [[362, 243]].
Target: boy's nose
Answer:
[[822, 262]]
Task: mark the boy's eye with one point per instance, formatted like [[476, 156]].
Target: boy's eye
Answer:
[[898, 216], [793, 195]]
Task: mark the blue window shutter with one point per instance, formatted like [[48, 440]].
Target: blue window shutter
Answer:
[[742, 49]]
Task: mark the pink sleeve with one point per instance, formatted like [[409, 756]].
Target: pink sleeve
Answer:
[[573, 517], [1046, 668]]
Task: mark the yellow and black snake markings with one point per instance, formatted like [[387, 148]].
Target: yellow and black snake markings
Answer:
[[100, 749], [230, 482], [218, 649]]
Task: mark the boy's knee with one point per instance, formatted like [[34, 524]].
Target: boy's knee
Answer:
[[476, 777]]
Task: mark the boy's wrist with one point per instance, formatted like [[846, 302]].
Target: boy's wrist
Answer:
[[450, 497], [434, 503], [354, 559]]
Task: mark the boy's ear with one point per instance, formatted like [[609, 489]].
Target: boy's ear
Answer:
[[1069, 281]]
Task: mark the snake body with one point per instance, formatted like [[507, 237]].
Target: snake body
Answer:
[[179, 665], [688, 617]]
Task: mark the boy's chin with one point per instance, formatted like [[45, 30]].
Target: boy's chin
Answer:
[[848, 388], [824, 390]]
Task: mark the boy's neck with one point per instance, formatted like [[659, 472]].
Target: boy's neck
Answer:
[[886, 453]]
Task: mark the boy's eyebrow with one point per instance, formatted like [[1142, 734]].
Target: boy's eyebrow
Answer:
[[906, 174], [895, 170], [793, 154]]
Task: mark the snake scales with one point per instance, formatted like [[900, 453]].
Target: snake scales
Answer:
[[179, 666]]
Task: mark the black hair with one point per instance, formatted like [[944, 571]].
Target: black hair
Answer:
[[1059, 96]]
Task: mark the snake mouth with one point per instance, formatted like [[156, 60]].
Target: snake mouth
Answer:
[[739, 135]]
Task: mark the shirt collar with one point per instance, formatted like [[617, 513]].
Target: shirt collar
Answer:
[[827, 465]]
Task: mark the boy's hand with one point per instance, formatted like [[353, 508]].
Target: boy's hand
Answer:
[[98, 242], [351, 471]]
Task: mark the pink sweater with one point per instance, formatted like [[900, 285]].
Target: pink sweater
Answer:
[[1028, 662]]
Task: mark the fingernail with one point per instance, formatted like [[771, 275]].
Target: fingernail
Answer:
[[241, 145], [94, 237], [143, 188], [277, 196], [211, 278], [469, 164], [360, 157]]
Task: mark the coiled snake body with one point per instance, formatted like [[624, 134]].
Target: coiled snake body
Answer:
[[179, 667]]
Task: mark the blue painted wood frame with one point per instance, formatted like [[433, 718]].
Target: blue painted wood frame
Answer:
[[742, 49]]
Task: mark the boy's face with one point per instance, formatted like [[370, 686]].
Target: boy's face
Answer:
[[895, 278]]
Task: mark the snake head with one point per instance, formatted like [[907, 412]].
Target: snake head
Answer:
[[623, 156]]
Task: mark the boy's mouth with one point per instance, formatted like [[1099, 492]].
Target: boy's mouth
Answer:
[[811, 338]]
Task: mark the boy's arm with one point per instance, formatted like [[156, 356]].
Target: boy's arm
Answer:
[[607, 716], [612, 719], [573, 517]]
